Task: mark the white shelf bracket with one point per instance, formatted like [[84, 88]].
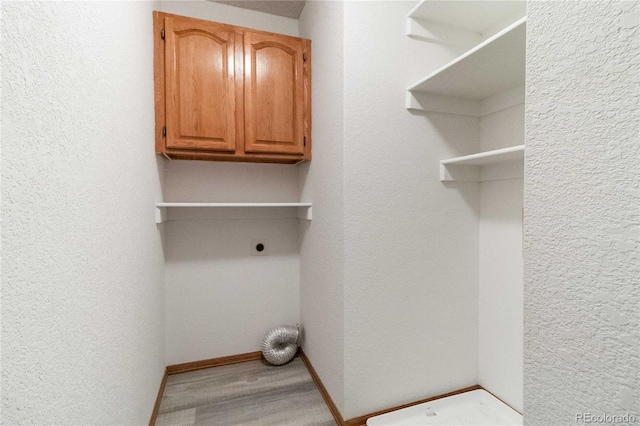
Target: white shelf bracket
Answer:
[[305, 213], [442, 104], [452, 173], [423, 29], [412, 102], [161, 214]]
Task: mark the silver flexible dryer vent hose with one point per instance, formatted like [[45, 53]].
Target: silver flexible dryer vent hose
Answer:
[[281, 344]]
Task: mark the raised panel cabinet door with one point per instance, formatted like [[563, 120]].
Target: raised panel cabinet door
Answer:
[[200, 85], [274, 94]]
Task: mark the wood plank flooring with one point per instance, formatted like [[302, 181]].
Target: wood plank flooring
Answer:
[[249, 393]]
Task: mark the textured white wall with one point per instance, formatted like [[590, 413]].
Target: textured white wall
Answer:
[[220, 300], [321, 181], [500, 265], [411, 242], [582, 195], [82, 263]]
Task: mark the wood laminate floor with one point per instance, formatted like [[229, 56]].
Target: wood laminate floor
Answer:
[[249, 393]]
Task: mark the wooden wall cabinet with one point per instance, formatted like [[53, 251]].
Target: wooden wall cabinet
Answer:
[[228, 93]]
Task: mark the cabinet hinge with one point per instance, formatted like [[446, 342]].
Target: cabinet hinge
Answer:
[[304, 141], [164, 132], [162, 33], [304, 57]]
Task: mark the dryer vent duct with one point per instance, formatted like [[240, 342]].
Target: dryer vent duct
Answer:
[[281, 344]]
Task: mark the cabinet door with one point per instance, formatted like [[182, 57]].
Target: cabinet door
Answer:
[[200, 85], [274, 93]]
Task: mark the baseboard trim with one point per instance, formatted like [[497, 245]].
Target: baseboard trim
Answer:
[[500, 399], [362, 420], [323, 391], [156, 407], [213, 362]]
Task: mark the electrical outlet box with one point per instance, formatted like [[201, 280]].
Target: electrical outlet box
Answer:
[[259, 248]]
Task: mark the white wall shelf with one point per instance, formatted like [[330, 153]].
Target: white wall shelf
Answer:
[[488, 78], [479, 17], [304, 209], [471, 167]]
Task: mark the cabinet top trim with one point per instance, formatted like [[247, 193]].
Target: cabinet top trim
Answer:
[[231, 27]]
